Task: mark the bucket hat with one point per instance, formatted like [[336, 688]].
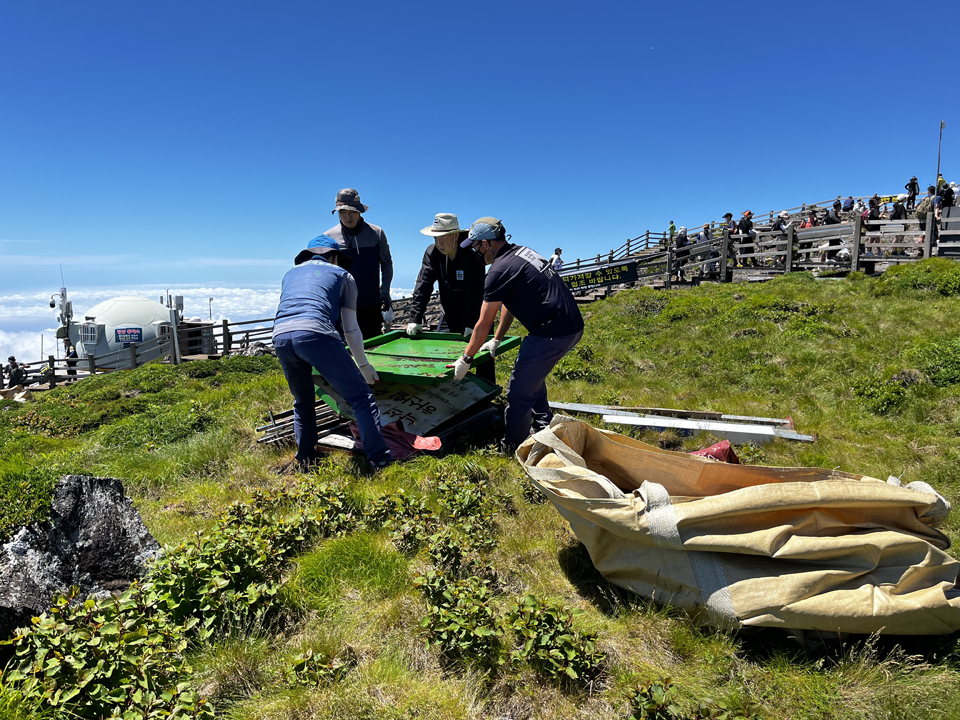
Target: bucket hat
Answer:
[[324, 246], [349, 199], [444, 224]]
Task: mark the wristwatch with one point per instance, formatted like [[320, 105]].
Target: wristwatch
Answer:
[[468, 359]]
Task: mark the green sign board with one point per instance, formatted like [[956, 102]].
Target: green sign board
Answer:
[[608, 275]]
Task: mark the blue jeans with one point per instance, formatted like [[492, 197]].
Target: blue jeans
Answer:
[[299, 353], [527, 404]]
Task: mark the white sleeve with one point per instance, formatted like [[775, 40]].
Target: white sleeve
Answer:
[[351, 331]]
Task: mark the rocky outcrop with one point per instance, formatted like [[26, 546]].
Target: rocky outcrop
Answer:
[[94, 539]]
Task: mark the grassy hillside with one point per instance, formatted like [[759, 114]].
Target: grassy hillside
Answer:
[[413, 593]]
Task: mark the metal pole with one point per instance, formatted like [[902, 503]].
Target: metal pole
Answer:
[[939, 143]]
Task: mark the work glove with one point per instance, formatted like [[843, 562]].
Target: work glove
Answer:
[[369, 373], [413, 329], [468, 332], [460, 368], [388, 316], [491, 347]]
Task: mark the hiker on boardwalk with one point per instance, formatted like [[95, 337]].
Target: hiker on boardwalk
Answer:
[[848, 204], [681, 252], [706, 253], [15, 372], [926, 206], [913, 189], [556, 261], [316, 295], [521, 284], [70, 355], [779, 227], [366, 245], [730, 225], [745, 227], [458, 273], [671, 231]]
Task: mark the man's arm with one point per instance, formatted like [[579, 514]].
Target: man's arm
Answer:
[[488, 313], [386, 267]]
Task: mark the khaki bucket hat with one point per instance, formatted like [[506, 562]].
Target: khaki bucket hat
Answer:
[[444, 224]]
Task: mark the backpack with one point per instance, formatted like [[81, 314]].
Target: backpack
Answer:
[[947, 196]]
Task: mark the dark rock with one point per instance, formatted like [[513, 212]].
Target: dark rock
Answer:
[[94, 539]]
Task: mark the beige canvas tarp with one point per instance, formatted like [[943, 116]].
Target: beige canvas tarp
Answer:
[[736, 545]]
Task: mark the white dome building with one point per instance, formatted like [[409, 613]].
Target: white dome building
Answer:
[[113, 324]]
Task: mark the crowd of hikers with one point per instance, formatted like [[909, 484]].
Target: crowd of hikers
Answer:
[[686, 246]]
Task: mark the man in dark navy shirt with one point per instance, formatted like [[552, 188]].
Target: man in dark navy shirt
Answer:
[[521, 284]]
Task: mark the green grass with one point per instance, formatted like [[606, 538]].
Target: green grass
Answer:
[[871, 366]]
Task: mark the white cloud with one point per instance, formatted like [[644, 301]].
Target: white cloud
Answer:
[[25, 316], [26, 345], [155, 262]]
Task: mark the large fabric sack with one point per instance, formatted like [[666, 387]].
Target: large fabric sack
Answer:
[[802, 548]]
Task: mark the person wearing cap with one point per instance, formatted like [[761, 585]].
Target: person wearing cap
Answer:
[[745, 227], [913, 189], [556, 261], [366, 245], [521, 284], [16, 373], [458, 273], [681, 251], [315, 294]]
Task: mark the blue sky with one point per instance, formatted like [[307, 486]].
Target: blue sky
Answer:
[[180, 143]]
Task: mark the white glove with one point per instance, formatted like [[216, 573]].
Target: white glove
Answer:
[[388, 316], [468, 332], [490, 346], [369, 373], [413, 328], [460, 368]]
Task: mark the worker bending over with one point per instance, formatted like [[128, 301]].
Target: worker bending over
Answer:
[[314, 294], [524, 284]]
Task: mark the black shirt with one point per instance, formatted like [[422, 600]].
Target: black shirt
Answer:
[[527, 286], [461, 287]]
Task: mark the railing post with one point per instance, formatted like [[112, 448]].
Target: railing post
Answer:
[[788, 258], [723, 255], [855, 255], [226, 335], [628, 246], [928, 238], [92, 362], [666, 280], [53, 371], [133, 355], [598, 258], [174, 321]]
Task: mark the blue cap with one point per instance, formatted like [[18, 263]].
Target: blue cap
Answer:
[[323, 245], [323, 241], [483, 229]]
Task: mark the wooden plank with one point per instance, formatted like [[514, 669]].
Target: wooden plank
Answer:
[[734, 432]]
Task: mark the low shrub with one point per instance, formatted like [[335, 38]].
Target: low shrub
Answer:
[[881, 395], [936, 275], [551, 645], [121, 657]]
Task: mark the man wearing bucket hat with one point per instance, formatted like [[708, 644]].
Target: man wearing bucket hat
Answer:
[[521, 284], [459, 274], [316, 293], [372, 267]]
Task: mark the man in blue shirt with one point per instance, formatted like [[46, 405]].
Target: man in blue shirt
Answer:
[[521, 284], [316, 293]]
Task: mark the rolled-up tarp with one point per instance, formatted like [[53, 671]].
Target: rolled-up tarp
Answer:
[[735, 545]]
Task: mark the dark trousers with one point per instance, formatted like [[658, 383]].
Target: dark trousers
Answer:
[[527, 405], [299, 353], [370, 321]]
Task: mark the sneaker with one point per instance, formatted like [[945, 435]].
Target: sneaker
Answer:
[[381, 465]]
